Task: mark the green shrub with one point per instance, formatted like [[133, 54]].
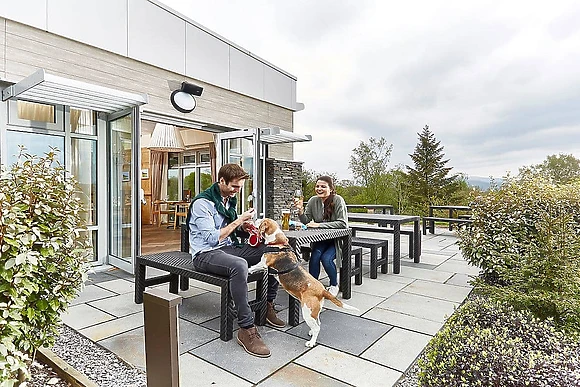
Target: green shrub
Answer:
[[43, 260], [487, 343], [505, 221], [526, 240]]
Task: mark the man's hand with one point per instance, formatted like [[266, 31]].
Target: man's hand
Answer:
[[248, 226], [247, 215]]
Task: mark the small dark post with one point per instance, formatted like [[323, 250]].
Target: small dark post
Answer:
[[161, 338]]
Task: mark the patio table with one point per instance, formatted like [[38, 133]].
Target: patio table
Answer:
[[395, 221], [300, 237]]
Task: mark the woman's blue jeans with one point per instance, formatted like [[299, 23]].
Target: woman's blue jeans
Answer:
[[326, 252]]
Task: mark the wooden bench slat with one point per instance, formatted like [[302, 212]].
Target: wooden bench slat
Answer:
[[451, 221]]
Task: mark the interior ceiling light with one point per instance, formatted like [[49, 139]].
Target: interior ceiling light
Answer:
[[183, 99]]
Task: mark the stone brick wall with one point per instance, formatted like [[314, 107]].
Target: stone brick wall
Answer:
[[282, 179]]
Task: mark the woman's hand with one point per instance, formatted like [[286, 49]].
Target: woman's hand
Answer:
[[299, 204], [313, 224]]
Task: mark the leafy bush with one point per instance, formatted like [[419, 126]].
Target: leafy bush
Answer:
[[487, 343], [505, 221], [526, 240], [43, 260]]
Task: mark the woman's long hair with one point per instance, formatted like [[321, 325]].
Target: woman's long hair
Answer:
[[329, 202]]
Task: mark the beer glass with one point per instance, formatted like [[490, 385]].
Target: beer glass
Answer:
[[285, 220]]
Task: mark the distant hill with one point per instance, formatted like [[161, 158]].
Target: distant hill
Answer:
[[482, 182]]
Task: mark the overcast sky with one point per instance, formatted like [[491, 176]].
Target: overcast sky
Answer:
[[498, 82]]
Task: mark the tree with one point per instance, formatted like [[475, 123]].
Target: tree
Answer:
[[369, 166], [429, 179], [559, 169]]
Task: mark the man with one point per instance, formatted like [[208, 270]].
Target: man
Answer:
[[213, 226]]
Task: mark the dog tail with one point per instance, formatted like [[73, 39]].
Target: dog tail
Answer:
[[338, 302]]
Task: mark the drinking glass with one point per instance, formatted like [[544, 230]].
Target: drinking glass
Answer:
[[299, 197]]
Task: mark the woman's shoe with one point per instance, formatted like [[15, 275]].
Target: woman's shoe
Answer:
[[333, 290]]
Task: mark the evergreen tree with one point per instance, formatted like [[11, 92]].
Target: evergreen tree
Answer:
[[429, 179]]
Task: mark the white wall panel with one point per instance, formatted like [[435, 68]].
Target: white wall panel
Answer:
[[277, 87], [30, 12], [156, 36], [246, 74], [101, 24], [206, 57]]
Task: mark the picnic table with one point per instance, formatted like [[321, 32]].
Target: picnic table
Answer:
[[383, 207], [453, 212], [300, 237], [396, 221]]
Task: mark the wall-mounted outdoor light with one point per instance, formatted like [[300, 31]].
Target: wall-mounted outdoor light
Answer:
[[183, 100]]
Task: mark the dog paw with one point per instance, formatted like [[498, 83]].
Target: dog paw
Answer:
[[309, 333], [310, 344]]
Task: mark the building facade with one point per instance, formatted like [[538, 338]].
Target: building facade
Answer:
[[94, 79]]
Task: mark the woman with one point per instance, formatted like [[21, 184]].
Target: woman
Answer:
[[324, 210]]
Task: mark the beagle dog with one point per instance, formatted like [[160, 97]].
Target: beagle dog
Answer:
[[294, 278]]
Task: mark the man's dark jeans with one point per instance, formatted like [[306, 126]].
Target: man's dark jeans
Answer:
[[233, 262]]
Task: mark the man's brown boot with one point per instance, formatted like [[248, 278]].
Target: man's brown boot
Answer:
[[252, 342], [272, 319]]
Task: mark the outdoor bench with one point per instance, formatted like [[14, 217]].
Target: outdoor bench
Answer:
[[432, 219], [355, 270], [179, 264], [370, 228], [374, 245]]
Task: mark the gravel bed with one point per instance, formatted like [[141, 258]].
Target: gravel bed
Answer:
[[97, 363], [41, 375], [410, 378]]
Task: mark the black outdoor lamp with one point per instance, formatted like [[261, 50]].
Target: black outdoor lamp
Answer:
[[183, 100]]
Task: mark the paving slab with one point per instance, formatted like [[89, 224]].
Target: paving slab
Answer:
[[444, 291], [119, 305], [92, 293], [389, 352], [113, 327], [83, 315], [193, 335], [118, 286], [294, 375], [406, 321], [430, 275], [230, 356], [344, 332], [129, 346], [348, 368], [378, 287], [456, 266], [419, 306], [363, 301], [195, 372], [460, 280], [201, 308]]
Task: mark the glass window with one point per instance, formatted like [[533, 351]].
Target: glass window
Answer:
[[205, 178], [36, 115], [173, 159], [189, 179], [189, 159], [173, 184], [84, 169], [35, 143], [83, 121], [204, 158], [33, 111]]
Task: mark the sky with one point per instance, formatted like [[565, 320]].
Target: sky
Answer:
[[498, 82]]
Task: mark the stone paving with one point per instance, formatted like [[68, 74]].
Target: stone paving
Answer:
[[398, 316]]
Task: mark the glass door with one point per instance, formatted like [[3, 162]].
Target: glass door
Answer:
[[123, 182], [244, 147]]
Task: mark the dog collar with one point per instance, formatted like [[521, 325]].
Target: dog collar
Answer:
[[271, 270]]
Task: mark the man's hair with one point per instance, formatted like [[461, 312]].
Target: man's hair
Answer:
[[231, 172]]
